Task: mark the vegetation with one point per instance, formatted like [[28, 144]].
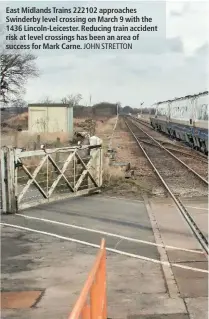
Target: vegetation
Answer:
[[15, 70]]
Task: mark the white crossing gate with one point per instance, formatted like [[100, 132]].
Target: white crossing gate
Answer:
[[29, 178]]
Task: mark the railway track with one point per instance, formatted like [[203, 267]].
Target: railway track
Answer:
[[176, 176], [178, 147], [187, 155]]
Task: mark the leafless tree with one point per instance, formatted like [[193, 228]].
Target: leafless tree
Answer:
[[15, 69], [72, 99], [19, 105], [47, 100]]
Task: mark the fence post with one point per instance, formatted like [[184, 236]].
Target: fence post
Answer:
[[34, 145], [58, 145], [16, 138], [12, 207], [3, 179], [92, 168], [8, 181], [98, 166], [38, 143]]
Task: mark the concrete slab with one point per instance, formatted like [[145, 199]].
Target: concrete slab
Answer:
[[60, 268], [192, 284], [173, 227], [198, 307], [145, 304], [112, 215], [179, 256], [135, 287], [201, 219], [109, 215], [198, 208], [200, 201], [174, 231]]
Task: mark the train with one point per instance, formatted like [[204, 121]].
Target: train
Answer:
[[184, 119]]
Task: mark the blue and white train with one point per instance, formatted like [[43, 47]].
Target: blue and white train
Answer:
[[185, 119]]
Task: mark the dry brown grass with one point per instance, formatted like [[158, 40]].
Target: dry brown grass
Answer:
[[12, 138], [111, 175], [18, 119], [106, 126], [14, 122], [30, 141], [115, 184]]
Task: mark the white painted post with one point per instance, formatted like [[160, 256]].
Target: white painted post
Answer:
[[12, 204], [3, 180], [8, 181], [97, 166]]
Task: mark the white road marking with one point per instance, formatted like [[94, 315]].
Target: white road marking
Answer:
[[121, 198], [194, 207], [108, 249], [109, 234], [201, 208]]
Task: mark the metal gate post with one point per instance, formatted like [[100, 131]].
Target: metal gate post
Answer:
[[98, 166], [8, 181], [94, 168], [12, 207], [3, 179]]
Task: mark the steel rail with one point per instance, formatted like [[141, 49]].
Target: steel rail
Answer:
[[145, 123], [193, 226], [180, 161], [200, 154], [175, 150]]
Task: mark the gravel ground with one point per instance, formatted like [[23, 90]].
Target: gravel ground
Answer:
[[181, 181], [193, 160], [145, 180]]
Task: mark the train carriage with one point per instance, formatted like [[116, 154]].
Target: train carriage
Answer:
[[184, 119]]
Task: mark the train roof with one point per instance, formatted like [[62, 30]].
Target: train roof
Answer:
[[184, 97]]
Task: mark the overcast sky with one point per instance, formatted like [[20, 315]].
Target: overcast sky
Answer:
[[153, 73]]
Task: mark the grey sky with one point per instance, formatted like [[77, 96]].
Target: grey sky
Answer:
[[158, 70]]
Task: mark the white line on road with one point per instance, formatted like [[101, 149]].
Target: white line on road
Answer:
[[108, 234], [108, 249], [120, 198], [193, 207], [201, 208]]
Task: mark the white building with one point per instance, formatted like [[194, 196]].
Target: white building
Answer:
[[50, 118]]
